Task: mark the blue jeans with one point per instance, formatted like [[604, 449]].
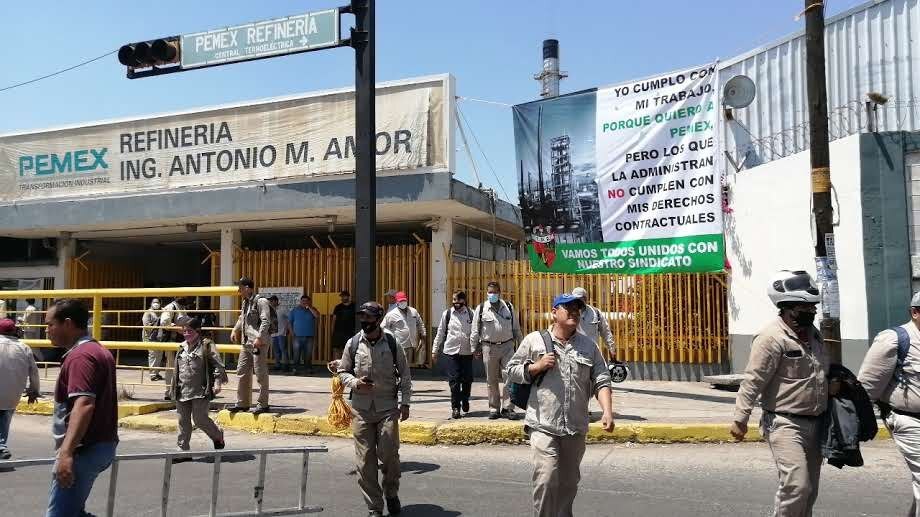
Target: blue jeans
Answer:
[[6, 416], [88, 463], [303, 347], [279, 344]]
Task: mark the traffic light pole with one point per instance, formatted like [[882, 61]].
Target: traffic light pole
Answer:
[[362, 40], [816, 87]]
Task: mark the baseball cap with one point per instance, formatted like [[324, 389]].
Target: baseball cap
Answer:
[[371, 309], [8, 327], [246, 282], [580, 292], [915, 301], [565, 298], [401, 297]]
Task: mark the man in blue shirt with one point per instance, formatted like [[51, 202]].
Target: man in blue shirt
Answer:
[[303, 325]]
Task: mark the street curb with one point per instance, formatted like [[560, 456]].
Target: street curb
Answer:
[[45, 407], [456, 433]]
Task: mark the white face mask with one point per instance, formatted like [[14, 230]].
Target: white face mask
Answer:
[[402, 305]]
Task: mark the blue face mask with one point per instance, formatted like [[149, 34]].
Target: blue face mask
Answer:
[[493, 297]]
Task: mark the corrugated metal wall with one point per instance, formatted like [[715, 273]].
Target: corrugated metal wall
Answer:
[[870, 48]]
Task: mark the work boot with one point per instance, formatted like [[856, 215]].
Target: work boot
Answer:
[[374, 513], [455, 414], [156, 377], [5, 454], [493, 415], [393, 506], [167, 396], [510, 414], [259, 410], [465, 406], [234, 409]]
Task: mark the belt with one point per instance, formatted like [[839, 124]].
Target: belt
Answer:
[[495, 344], [793, 415], [906, 413]]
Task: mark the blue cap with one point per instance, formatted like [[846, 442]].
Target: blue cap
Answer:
[[565, 298]]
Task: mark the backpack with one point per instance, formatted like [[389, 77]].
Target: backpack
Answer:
[[273, 315], [391, 342], [903, 348], [510, 311], [447, 319], [520, 393]]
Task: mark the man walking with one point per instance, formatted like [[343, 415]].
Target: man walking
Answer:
[[389, 298], [150, 320], [788, 370], [593, 323], [406, 325], [16, 367], [169, 333], [453, 338], [30, 322], [564, 370], [375, 369], [495, 333], [85, 420], [890, 374], [253, 332], [279, 338], [343, 323], [303, 323]]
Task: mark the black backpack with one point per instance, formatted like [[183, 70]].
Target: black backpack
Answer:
[[520, 393], [273, 315], [510, 311]]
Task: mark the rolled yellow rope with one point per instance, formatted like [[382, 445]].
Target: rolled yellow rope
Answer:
[[339, 415]]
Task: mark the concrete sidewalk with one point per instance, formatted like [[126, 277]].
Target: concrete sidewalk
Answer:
[[646, 411]]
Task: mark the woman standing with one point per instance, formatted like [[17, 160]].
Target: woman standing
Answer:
[[198, 378]]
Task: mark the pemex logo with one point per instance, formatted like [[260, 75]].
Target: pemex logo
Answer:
[[83, 161]]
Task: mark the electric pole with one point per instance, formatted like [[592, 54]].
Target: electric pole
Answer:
[[825, 255], [362, 39]]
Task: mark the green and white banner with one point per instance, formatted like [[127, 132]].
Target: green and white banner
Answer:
[[623, 179]]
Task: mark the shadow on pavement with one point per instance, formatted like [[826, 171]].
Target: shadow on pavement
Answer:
[[428, 510], [236, 458], [417, 467], [676, 395]]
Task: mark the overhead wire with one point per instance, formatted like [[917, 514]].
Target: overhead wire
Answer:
[[464, 120], [59, 72]]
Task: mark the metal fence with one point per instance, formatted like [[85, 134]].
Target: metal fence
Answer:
[[171, 457], [675, 318]]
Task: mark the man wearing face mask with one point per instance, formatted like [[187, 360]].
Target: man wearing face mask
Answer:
[[495, 334], [454, 338], [376, 370], [406, 325], [149, 333], [788, 370]]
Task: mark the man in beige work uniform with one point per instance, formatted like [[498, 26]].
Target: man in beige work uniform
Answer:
[[253, 331], [891, 375], [375, 376], [564, 369], [495, 334], [788, 371]]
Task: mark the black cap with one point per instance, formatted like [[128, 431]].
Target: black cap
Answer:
[[372, 309], [273, 298], [344, 293], [246, 282]]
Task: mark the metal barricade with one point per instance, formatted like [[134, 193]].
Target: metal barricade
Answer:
[[169, 457]]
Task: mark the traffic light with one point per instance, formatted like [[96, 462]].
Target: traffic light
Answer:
[[145, 54]]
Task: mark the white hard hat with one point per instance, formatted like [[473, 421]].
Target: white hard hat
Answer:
[[793, 286], [580, 292]]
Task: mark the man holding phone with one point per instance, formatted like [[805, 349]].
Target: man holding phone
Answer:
[[788, 371], [376, 370]]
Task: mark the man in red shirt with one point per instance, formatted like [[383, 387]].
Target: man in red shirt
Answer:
[[84, 424]]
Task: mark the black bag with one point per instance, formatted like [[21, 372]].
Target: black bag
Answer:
[[520, 393]]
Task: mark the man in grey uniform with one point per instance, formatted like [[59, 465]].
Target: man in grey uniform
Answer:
[[565, 369], [891, 375], [253, 331], [149, 333], [788, 370], [375, 376], [495, 334], [594, 323]]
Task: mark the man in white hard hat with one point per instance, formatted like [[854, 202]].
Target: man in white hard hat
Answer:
[[788, 371], [891, 376], [593, 322]]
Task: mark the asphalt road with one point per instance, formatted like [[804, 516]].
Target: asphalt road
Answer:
[[620, 480]]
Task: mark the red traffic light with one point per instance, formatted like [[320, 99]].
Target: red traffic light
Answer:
[[149, 53]]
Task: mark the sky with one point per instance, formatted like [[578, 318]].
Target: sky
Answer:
[[493, 49]]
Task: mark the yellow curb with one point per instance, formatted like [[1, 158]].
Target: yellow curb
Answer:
[[457, 433], [883, 433], [621, 433], [40, 407], [310, 425], [149, 422], [46, 407], [245, 421], [419, 433], [689, 433]]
